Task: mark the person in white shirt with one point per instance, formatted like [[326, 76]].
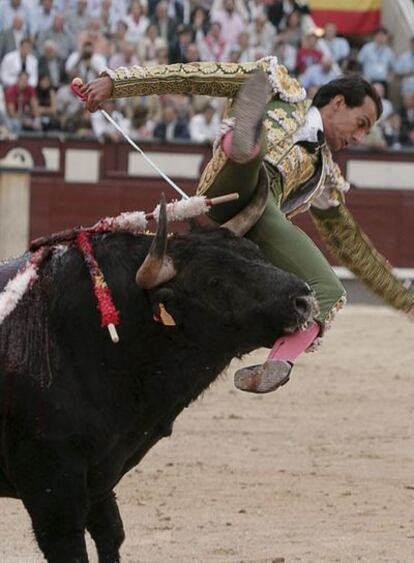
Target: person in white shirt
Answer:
[[262, 34], [377, 58], [338, 47], [11, 38], [11, 8], [404, 67], [232, 23], [105, 131], [43, 16], [88, 65], [17, 61], [320, 73], [136, 21], [205, 126]]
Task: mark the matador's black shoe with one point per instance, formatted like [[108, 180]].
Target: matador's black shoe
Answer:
[[263, 378], [249, 109]]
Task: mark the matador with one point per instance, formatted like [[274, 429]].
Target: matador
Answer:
[[272, 125]]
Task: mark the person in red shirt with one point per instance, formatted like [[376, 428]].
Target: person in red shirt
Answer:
[[22, 105], [308, 53]]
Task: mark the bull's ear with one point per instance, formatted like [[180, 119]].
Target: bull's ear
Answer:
[[165, 310]]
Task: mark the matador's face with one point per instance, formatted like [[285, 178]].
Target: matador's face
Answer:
[[345, 126]]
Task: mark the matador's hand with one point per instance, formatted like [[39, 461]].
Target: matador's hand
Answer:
[[97, 91]]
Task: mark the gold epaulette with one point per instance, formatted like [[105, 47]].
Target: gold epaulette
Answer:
[[353, 248]]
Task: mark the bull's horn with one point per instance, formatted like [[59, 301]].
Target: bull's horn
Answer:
[[157, 267], [241, 223]]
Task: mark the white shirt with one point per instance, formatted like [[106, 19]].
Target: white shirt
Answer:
[[309, 130], [11, 67], [100, 125], [87, 71], [201, 131]]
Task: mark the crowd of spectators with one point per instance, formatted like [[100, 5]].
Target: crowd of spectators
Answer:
[[44, 44]]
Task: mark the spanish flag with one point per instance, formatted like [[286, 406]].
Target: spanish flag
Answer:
[[352, 17]]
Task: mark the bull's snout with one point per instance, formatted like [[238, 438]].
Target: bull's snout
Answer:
[[306, 308]]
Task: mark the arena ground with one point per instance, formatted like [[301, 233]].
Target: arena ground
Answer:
[[321, 471]]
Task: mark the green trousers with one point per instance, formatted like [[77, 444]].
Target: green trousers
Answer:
[[284, 244]]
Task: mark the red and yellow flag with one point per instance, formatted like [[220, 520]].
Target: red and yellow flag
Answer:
[[352, 17]]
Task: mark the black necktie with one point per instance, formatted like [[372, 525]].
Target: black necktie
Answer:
[[313, 147]]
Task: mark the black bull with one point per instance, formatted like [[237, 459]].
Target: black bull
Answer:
[[78, 411]]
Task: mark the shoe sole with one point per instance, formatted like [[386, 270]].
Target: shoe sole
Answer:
[[263, 378], [249, 109]]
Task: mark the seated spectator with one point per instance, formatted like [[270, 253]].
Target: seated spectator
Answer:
[[257, 8], [17, 61], [184, 106], [407, 119], [116, 10], [243, 50], [404, 68], [22, 105], [293, 29], [43, 16], [285, 52], [94, 35], [103, 129], [204, 127], [192, 54], [78, 18], [375, 139], [87, 64], [178, 9], [136, 21], [308, 53], [387, 107], [148, 45], [11, 8], [391, 129], [200, 22], [46, 97], [141, 126], [161, 56], [126, 57], [119, 37], [178, 49], [338, 47], [262, 34], [68, 106], [60, 35], [6, 133], [235, 54], [171, 128], [351, 64], [51, 65], [108, 14], [213, 47], [81, 124], [166, 26], [320, 73], [231, 21], [377, 58], [11, 37], [278, 11]]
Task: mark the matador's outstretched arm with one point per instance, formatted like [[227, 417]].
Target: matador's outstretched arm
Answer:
[[352, 247], [202, 78]]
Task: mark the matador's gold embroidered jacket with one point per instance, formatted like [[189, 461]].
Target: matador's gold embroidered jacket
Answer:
[[286, 113]]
